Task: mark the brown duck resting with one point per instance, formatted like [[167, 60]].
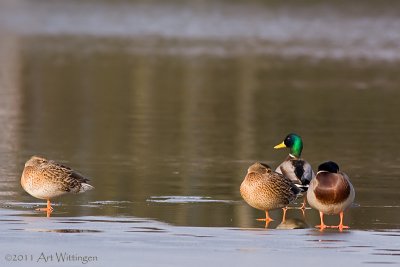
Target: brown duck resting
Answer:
[[46, 179], [264, 189]]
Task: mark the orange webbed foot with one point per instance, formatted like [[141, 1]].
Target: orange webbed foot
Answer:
[[322, 226], [48, 208], [265, 220], [45, 209], [340, 227]]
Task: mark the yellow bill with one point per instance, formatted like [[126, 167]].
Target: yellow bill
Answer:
[[281, 145]]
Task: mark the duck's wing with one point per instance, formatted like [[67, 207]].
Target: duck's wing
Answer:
[[71, 173], [308, 173], [298, 171], [287, 169], [284, 186], [67, 179]]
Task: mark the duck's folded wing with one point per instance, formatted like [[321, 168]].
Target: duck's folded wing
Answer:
[[67, 179]]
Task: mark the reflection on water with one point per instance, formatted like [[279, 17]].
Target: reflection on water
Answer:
[[185, 199], [186, 128], [64, 231], [146, 230], [165, 125], [167, 133], [99, 235], [293, 223]]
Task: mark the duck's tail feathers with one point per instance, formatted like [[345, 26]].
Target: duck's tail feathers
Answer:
[[85, 187]]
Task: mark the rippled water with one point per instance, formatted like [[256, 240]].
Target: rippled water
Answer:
[[144, 127], [138, 239], [165, 117]]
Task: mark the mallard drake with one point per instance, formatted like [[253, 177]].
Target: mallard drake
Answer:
[[264, 189], [46, 179], [330, 192], [294, 167]]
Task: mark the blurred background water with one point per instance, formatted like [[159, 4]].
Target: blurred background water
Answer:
[[165, 104]]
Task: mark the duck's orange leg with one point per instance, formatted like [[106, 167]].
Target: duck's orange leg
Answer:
[[284, 215], [303, 207], [341, 226], [267, 218], [48, 208], [322, 225]]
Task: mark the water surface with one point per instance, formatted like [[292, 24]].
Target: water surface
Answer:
[[165, 117], [148, 126]]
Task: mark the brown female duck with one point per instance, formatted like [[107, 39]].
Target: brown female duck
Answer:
[[46, 179], [264, 189]]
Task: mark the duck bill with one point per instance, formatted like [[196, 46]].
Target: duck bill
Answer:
[[281, 145]]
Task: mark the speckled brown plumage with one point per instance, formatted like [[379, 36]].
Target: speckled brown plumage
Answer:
[[46, 179], [265, 189]]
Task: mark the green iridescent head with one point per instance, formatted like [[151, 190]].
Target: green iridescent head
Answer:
[[294, 143]]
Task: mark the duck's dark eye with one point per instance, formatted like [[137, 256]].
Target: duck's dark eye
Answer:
[[288, 141]]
